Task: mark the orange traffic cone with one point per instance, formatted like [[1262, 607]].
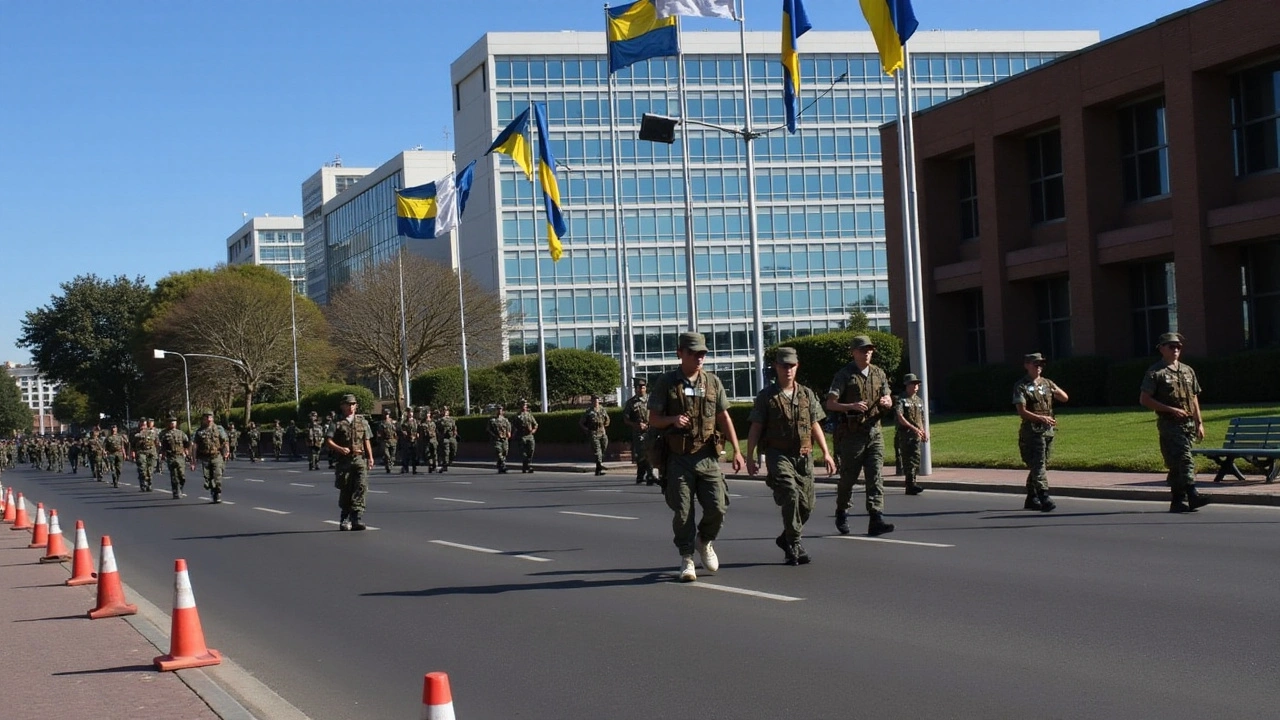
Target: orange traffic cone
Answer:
[[186, 638], [21, 521], [40, 534], [82, 563], [56, 550], [10, 508], [437, 701], [110, 592]]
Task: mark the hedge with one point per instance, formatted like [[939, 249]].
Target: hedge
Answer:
[[570, 374], [560, 426], [323, 399], [822, 356]]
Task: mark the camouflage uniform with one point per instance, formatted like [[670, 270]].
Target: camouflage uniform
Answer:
[[174, 444], [859, 441], [233, 438], [786, 437], [636, 415], [525, 425], [352, 476], [1035, 439], [595, 423], [144, 454], [255, 442], [212, 447], [291, 437], [277, 439], [428, 446], [447, 430], [115, 445], [500, 433], [409, 431], [1176, 385], [911, 409], [315, 439], [387, 435]]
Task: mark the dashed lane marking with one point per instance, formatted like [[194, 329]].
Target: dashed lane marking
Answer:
[[379, 492], [277, 512], [741, 591], [488, 551], [605, 490], [294, 471], [302, 485], [597, 515], [253, 480], [460, 500], [461, 482], [366, 527], [864, 538], [224, 502]]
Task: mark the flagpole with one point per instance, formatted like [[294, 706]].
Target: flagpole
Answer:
[[404, 335], [688, 188], [619, 245], [462, 312], [920, 354], [748, 135], [537, 269]]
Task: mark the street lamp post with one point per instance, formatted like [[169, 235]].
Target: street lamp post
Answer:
[[186, 384]]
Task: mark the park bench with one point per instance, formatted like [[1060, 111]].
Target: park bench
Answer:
[[1256, 439]]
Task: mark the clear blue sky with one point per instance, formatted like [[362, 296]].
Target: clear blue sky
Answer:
[[134, 133]]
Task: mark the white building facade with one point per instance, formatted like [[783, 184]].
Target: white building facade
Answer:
[[327, 183], [274, 242], [38, 394]]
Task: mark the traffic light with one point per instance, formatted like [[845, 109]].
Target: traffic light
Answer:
[[658, 128]]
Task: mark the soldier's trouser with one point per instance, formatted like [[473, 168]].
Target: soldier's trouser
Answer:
[[430, 453], [213, 468], [145, 462], [899, 439], [861, 453], [598, 445], [115, 462], [177, 477], [95, 465], [448, 450], [639, 457], [791, 480], [1175, 448], [388, 456], [527, 446], [689, 477], [352, 480], [1035, 448], [276, 447], [313, 460], [909, 457], [500, 448], [255, 450]]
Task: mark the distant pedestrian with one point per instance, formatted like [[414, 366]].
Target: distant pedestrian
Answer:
[[144, 452], [212, 448], [255, 442], [428, 446], [636, 416], [447, 431], [350, 444], [1033, 398], [595, 423], [291, 439], [1170, 389], [860, 392], [525, 426], [315, 440], [500, 433], [175, 446], [388, 438], [233, 437], [409, 431], [116, 446], [277, 439], [910, 431]]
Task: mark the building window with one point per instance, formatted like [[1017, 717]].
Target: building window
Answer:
[[1154, 302], [1144, 150], [975, 328], [1053, 316], [967, 191], [1255, 118], [1044, 173], [1261, 271]]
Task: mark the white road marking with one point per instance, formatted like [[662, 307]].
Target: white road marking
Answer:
[[366, 527], [864, 538], [733, 495], [380, 492], [489, 551], [461, 482], [741, 591], [472, 502], [597, 515], [301, 485], [605, 490], [293, 471], [277, 512], [224, 502], [253, 480]]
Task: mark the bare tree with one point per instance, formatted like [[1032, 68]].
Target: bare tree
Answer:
[[365, 313]]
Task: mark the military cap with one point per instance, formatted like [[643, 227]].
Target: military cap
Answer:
[[171, 419], [524, 401], [498, 407], [1169, 337], [787, 356], [910, 378], [639, 382], [861, 341], [694, 341], [1033, 357], [386, 411], [206, 413], [348, 399], [595, 398]]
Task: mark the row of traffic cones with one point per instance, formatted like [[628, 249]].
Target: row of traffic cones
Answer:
[[186, 637]]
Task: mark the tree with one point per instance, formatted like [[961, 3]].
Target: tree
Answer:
[[15, 416], [858, 321], [84, 337], [72, 406], [573, 373], [242, 313], [365, 313]]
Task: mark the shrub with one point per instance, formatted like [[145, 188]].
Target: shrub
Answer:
[[1084, 378], [573, 373], [442, 386], [1124, 378], [822, 356], [324, 399], [981, 388]]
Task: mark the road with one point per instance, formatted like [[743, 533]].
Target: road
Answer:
[[553, 596]]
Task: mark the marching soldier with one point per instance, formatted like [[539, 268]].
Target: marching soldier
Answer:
[[212, 448], [330, 421], [409, 431], [97, 453], [291, 437], [233, 437], [595, 423], [255, 442], [1171, 390], [315, 440], [428, 446], [175, 445], [910, 432], [500, 433], [1033, 398], [277, 439], [525, 426], [861, 392], [636, 416], [447, 430], [349, 444], [144, 451], [387, 439]]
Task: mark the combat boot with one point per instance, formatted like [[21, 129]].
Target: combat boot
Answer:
[[355, 522], [877, 526], [599, 468], [1046, 503], [913, 488], [788, 549], [216, 493], [707, 554], [1195, 500], [1178, 503], [1033, 502], [639, 477], [802, 557], [842, 522], [525, 468]]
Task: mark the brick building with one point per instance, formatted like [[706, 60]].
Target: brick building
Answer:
[[1118, 192]]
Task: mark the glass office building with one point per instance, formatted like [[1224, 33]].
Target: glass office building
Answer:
[[820, 209], [275, 242], [327, 183]]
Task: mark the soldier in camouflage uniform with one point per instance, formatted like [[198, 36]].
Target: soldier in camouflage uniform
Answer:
[[255, 442], [500, 432], [116, 446], [349, 443], [428, 446], [636, 415], [1033, 398], [144, 451], [212, 448], [330, 421], [786, 422], [525, 425], [277, 439], [155, 436], [388, 438], [910, 431], [595, 423], [233, 438], [315, 440], [860, 392], [447, 431], [409, 431], [291, 437], [96, 453], [1171, 390], [688, 405], [175, 445]]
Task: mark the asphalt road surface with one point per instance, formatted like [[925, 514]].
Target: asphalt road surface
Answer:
[[554, 596]]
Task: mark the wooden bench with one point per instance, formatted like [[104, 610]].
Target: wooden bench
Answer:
[[1256, 439]]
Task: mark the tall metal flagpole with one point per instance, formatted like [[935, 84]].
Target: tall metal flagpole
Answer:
[[688, 188], [748, 135], [619, 245], [293, 322], [537, 266], [404, 333], [920, 354], [456, 251]]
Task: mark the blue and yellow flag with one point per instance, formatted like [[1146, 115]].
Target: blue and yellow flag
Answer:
[[892, 23], [514, 141], [795, 22], [431, 210], [556, 228], [635, 33]]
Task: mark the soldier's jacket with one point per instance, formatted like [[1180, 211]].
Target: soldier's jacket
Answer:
[[255, 435], [851, 386], [1173, 385], [315, 435], [115, 444], [447, 427], [524, 424], [144, 442], [387, 432], [637, 410], [351, 433], [95, 446], [1037, 395], [787, 421], [912, 409], [499, 428], [173, 442], [210, 442], [409, 430], [595, 421], [427, 429], [277, 434], [291, 432], [701, 400]]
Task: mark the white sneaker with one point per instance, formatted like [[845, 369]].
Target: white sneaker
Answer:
[[710, 562], [687, 573]]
